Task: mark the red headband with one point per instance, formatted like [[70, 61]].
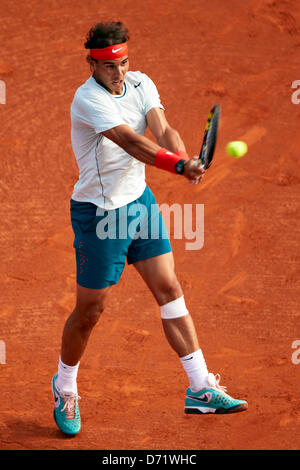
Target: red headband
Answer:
[[117, 51]]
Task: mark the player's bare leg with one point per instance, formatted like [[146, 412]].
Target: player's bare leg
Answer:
[[159, 274], [204, 395], [180, 332], [77, 330], [89, 306]]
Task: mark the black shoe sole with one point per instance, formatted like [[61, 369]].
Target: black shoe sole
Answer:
[[223, 411]]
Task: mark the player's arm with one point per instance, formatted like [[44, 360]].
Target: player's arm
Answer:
[[168, 137], [138, 146], [165, 135], [144, 150]]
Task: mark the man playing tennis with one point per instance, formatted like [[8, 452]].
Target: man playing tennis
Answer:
[[109, 114]]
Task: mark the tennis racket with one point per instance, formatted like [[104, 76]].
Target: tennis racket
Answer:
[[210, 137]]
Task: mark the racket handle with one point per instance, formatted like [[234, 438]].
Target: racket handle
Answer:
[[199, 163]]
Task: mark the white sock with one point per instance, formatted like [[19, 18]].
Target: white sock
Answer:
[[67, 375], [195, 366]]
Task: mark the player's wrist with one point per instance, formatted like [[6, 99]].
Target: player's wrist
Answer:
[[170, 161], [182, 154], [180, 167]]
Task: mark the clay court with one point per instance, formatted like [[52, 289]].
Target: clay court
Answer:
[[242, 287]]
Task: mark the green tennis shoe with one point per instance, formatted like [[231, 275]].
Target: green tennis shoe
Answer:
[[212, 399], [66, 410]]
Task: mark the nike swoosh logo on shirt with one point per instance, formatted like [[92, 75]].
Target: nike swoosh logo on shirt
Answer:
[[135, 86]]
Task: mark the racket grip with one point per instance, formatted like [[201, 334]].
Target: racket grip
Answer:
[[200, 164]]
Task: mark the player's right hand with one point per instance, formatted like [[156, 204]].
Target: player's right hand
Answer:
[[193, 170]]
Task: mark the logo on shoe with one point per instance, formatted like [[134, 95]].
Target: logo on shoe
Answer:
[[205, 398], [56, 399]]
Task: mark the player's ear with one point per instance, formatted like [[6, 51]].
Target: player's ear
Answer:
[[91, 62]]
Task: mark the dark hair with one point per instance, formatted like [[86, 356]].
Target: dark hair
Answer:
[[106, 34]]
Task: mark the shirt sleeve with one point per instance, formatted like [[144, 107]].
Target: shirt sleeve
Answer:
[[99, 113], [152, 98]]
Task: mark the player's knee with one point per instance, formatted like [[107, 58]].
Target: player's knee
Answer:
[[170, 290], [88, 315], [174, 309]]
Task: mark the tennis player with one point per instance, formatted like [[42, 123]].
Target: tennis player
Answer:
[[109, 115]]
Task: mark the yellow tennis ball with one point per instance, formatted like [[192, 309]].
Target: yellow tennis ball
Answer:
[[236, 149]]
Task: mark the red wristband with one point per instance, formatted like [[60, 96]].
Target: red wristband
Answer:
[[183, 155], [166, 160]]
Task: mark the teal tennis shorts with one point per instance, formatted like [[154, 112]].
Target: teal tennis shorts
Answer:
[[105, 239]]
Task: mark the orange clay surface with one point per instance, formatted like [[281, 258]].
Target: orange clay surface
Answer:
[[241, 288]]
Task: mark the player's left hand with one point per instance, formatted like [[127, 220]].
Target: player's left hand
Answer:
[[193, 170]]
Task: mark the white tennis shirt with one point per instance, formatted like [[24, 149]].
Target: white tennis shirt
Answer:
[[108, 176]]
